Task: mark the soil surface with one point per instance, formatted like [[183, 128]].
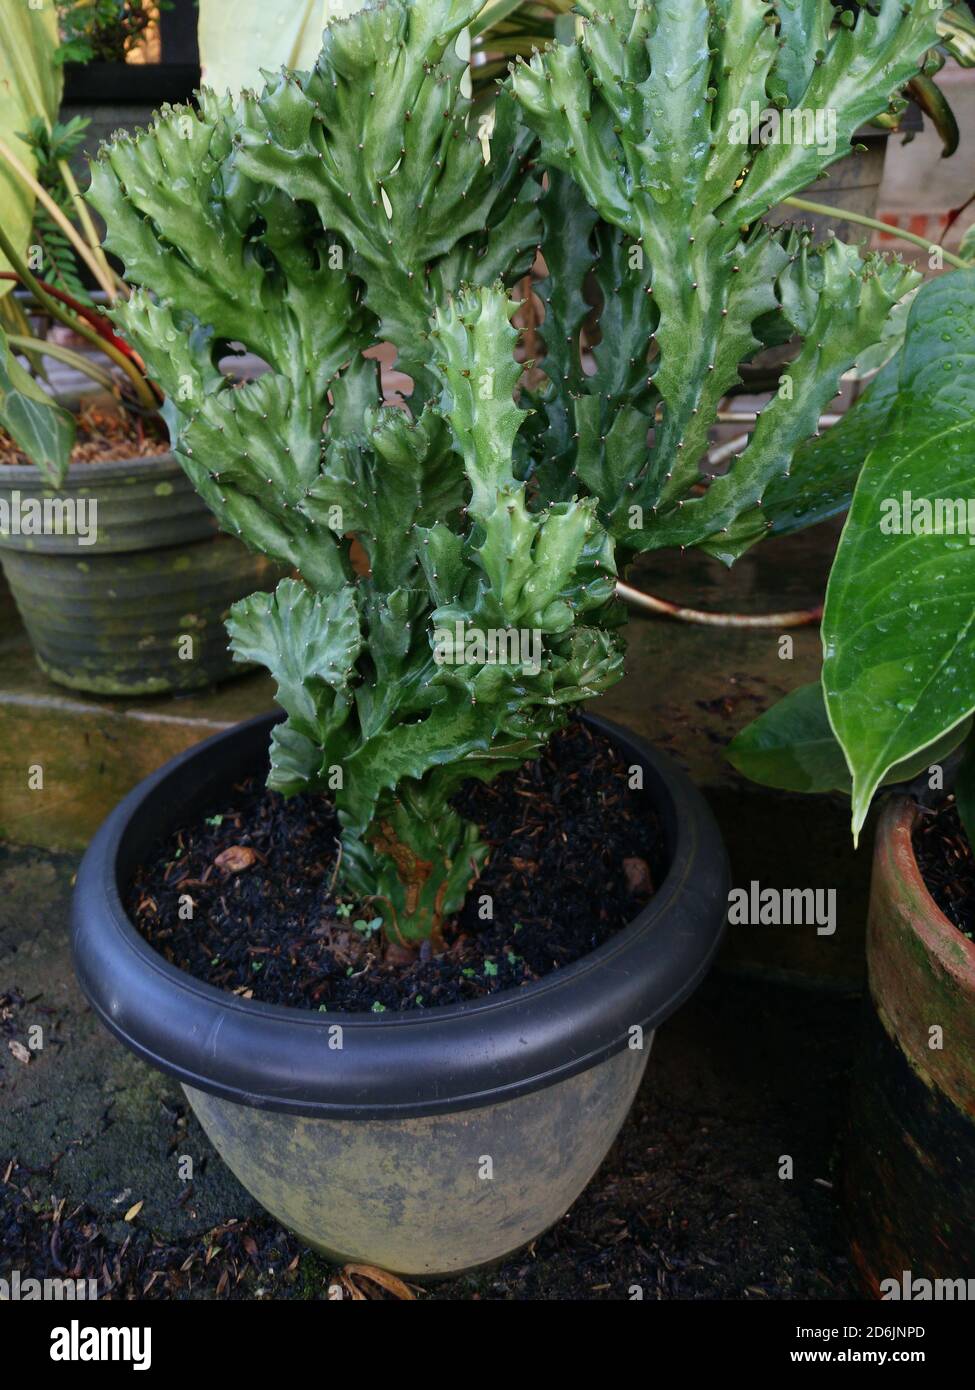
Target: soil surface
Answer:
[[947, 864], [575, 855], [103, 435]]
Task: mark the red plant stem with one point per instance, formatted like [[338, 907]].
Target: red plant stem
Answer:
[[97, 320]]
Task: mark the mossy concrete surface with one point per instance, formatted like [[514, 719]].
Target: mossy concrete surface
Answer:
[[690, 689], [693, 1200], [113, 1129], [67, 759]]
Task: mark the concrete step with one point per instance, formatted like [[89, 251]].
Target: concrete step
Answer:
[[91, 751]]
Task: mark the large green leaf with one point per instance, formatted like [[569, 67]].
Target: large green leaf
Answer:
[[264, 35], [36, 423], [899, 622], [30, 85], [792, 746]]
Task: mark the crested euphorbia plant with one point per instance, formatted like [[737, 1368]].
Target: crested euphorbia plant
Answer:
[[364, 202]]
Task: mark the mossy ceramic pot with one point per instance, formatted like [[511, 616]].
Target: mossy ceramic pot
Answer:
[[124, 590], [425, 1142], [908, 1182]]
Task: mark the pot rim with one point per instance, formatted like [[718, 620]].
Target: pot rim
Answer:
[[390, 1065], [101, 469], [954, 952]]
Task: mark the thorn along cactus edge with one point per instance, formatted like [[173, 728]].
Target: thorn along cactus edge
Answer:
[[367, 201]]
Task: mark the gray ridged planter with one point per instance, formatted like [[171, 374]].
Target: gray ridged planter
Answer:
[[113, 617], [852, 184]]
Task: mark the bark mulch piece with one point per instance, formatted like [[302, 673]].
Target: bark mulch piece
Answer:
[[47, 1237]]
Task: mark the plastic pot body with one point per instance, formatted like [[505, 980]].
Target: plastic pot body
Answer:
[[425, 1142], [911, 1145], [434, 1195], [134, 602]]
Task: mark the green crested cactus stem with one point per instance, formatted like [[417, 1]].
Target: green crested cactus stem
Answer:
[[367, 201], [659, 183]]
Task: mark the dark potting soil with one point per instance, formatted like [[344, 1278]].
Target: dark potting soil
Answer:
[[575, 854], [947, 864], [102, 435]]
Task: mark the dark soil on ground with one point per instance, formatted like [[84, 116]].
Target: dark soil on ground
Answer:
[[575, 855], [947, 864], [689, 1204]]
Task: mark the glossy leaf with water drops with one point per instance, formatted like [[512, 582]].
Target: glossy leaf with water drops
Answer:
[[899, 622], [792, 747], [43, 429]]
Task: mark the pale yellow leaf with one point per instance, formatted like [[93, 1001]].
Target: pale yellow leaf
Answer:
[[30, 85], [264, 34]]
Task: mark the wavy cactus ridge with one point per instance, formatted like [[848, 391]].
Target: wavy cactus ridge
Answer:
[[387, 708], [455, 553], [376, 138], [651, 114]]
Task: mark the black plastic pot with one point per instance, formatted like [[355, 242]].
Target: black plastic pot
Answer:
[[425, 1142]]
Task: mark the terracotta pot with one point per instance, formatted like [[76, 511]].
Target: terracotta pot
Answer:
[[909, 1178]]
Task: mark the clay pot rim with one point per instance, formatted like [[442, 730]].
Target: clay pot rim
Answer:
[[953, 951]]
